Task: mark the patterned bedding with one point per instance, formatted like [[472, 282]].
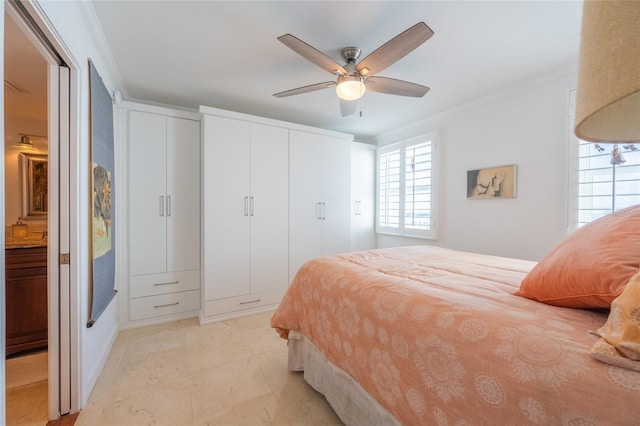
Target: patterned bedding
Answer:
[[436, 337]]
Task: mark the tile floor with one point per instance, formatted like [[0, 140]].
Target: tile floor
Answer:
[[231, 373], [27, 390], [28, 405]]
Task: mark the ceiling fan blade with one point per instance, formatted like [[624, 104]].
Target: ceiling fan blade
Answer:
[[347, 107], [391, 86], [394, 49], [305, 89], [312, 54]]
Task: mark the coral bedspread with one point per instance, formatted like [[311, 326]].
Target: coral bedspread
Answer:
[[436, 337]]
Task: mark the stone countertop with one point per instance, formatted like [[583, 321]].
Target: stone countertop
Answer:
[[16, 243]]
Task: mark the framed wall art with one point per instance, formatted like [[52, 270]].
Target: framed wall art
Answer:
[[34, 185], [102, 178], [492, 182]]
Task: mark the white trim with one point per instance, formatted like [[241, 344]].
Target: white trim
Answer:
[[53, 252], [75, 234], [572, 168], [95, 375], [64, 231], [188, 114], [121, 152], [273, 122]]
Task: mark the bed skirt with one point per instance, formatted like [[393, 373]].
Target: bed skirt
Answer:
[[348, 399]]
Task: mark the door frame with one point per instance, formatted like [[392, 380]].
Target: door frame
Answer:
[[63, 121], [3, 339]]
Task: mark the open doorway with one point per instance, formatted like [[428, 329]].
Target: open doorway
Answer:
[[26, 229], [37, 124]]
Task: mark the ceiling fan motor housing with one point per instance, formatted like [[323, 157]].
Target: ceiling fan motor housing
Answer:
[[350, 54]]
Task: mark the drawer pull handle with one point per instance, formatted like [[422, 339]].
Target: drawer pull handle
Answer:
[[250, 301], [168, 304], [167, 283]]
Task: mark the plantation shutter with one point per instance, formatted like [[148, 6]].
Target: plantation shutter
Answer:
[[389, 189], [418, 186]]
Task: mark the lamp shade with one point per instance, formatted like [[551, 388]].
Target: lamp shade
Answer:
[[350, 88], [608, 94]]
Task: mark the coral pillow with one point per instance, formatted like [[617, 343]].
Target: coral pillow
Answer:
[[590, 267]]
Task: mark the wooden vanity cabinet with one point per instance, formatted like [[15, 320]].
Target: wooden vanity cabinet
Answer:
[[26, 299]]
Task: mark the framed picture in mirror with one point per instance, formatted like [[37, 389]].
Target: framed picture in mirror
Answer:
[[35, 187]]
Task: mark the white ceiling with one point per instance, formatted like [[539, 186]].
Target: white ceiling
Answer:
[[225, 54]]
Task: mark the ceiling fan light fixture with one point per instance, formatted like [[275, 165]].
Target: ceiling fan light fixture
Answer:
[[350, 88]]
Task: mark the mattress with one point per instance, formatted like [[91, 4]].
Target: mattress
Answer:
[[435, 336]]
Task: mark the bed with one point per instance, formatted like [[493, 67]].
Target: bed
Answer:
[[426, 335]]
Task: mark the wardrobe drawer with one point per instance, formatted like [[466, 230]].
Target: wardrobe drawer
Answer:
[[240, 303], [169, 282], [164, 304]]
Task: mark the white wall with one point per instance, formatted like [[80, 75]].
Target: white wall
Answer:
[[71, 22], [525, 125]]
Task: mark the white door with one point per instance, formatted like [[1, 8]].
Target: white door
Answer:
[[183, 194], [269, 208], [226, 200], [60, 318], [147, 193], [336, 223], [306, 191]]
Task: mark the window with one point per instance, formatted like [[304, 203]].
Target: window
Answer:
[[603, 185], [607, 177], [405, 188]]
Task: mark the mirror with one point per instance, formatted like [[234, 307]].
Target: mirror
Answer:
[[34, 182]]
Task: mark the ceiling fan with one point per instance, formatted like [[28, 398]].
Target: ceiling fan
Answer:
[[355, 78]]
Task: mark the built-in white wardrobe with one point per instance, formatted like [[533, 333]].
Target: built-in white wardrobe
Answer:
[[163, 224], [275, 195], [223, 208]]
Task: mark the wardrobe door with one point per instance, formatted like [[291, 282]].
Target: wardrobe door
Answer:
[[336, 177], [226, 221], [269, 208], [183, 194], [147, 193], [306, 183]]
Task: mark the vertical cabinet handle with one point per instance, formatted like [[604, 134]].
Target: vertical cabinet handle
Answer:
[[246, 206], [162, 205], [168, 205], [251, 206], [324, 210], [319, 210]]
